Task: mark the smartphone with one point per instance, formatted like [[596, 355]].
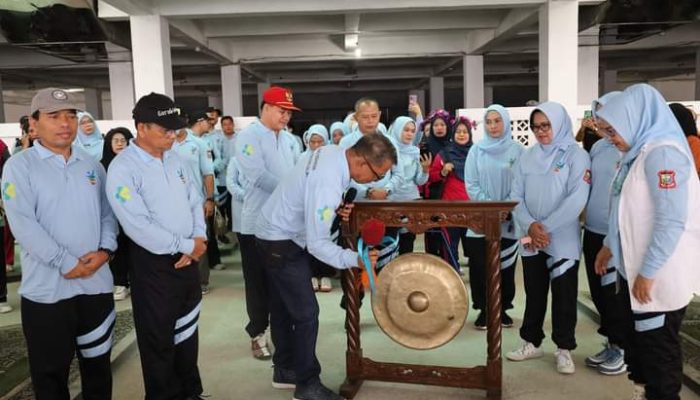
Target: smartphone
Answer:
[[424, 150], [412, 99], [588, 114]]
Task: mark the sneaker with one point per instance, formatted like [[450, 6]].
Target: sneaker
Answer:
[[219, 267], [315, 391], [5, 308], [326, 285], [120, 292], [283, 378], [639, 392], [314, 283], [506, 320], [615, 364], [527, 351], [565, 364], [480, 322], [205, 290], [259, 347], [595, 360]]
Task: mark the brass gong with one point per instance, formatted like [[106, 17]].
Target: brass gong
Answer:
[[420, 301]]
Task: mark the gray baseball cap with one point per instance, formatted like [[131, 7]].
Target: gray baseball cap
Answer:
[[53, 99]]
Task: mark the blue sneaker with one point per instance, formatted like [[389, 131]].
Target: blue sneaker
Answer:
[[615, 364], [595, 360]]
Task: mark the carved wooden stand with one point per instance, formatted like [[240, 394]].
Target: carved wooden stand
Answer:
[[418, 216]]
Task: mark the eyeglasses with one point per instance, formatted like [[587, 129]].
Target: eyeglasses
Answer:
[[544, 127], [379, 177]]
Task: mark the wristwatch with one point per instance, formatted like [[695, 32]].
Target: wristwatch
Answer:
[[109, 252]]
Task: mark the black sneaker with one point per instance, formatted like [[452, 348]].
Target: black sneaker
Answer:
[[315, 391], [506, 320], [480, 322], [283, 378]]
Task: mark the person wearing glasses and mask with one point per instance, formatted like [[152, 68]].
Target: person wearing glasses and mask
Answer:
[[551, 182], [153, 194]]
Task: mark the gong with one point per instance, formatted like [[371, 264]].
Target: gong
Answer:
[[420, 301]]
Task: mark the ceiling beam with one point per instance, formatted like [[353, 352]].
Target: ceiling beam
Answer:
[[191, 32], [510, 25], [220, 8]]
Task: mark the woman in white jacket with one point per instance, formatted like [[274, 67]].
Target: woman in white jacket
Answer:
[[653, 235]]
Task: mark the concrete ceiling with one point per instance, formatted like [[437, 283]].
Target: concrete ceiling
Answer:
[[310, 45]]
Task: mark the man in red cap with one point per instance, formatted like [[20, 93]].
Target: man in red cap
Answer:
[[265, 153]]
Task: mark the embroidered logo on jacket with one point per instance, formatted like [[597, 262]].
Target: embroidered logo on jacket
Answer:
[[8, 192], [667, 179], [325, 214], [91, 177], [181, 175], [587, 176], [123, 194], [248, 149]]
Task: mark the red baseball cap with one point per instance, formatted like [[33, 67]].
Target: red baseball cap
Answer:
[[280, 97]]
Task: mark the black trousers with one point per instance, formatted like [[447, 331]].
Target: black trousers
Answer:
[[653, 349], [476, 247], [213, 254], [256, 288], [536, 274], [319, 269], [406, 241], [56, 332], [456, 235], [3, 270], [120, 264], [166, 303], [434, 243], [293, 309], [225, 206]]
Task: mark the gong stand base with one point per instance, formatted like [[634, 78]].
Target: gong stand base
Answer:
[[418, 216]]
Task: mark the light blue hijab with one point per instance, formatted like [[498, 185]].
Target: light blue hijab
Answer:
[[539, 158], [496, 146], [339, 125], [602, 101], [83, 137], [641, 116], [395, 131], [319, 130]]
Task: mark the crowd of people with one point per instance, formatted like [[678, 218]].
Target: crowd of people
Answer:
[[99, 219]]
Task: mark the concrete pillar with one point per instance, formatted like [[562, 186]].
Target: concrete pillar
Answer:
[[437, 92], [93, 102], [697, 74], [2, 103], [587, 74], [150, 47], [609, 81], [559, 52], [262, 87], [473, 81], [121, 89], [232, 90], [488, 95]]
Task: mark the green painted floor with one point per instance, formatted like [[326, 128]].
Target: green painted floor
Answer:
[[229, 372]]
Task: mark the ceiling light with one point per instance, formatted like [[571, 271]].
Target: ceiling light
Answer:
[[358, 52]]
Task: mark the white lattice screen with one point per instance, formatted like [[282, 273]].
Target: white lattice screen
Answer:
[[520, 120]]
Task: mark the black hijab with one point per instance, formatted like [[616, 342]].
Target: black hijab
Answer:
[[685, 119], [107, 153], [457, 153]]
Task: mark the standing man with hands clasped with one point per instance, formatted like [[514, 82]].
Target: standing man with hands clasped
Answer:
[[151, 191], [295, 222], [55, 202]]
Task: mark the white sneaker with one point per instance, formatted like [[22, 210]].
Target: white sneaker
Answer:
[[219, 267], [527, 351], [259, 346], [639, 392], [314, 284], [326, 285], [121, 293], [565, 364], [5, 308]]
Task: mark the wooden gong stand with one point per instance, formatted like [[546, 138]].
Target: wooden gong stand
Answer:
[[419, 216]]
